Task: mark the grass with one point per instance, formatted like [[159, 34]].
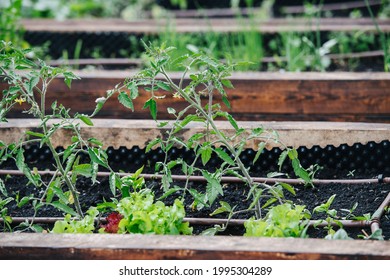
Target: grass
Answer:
[[383, 37], [246, 45]]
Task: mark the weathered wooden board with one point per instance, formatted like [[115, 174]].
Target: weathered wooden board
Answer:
[[257, 96], [119, 247], [190, 25], [138, 62], [129, 133]]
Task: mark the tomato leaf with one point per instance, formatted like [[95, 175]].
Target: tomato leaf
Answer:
[[224, 156], [152, 105], [125, 100]]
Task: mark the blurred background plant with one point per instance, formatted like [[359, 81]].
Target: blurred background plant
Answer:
[[10, 28], [65, 9], [279, 51]]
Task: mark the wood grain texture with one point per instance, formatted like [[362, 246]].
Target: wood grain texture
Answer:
[[257, 96], [119, 247], [129, 133], [191, 25], [138, 62]]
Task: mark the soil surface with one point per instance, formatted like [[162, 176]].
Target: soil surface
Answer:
[[368, 196]]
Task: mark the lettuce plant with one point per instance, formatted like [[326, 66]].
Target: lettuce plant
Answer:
[[69, 225], [284, 220], [138, 212], [141, 214]]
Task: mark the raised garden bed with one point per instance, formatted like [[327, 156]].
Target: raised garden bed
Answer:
[[342, 168], [130, 63], [359, 137], [136, 247], [356, 42]]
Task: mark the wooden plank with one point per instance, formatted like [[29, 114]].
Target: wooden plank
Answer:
[[119, 247], [138, 62], [341, 96], [131, 133], [189, 25]]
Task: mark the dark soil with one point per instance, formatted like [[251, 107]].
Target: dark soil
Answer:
[[341, 162]]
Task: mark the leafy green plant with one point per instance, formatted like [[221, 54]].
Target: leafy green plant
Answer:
[[142, 215], [10, 28], [69, 225], [334, 219], [339, 234], [376, 235], [138, 212], [29, 89], [305, 51], [331, 214], [181, 3], [301, 53], [76, 54], [383, 37], [7, 220], [351, 215], [352, 42], [61, 9], [284, 220], [246, 45], [64, 9]]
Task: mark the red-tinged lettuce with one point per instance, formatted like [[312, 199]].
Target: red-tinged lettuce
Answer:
[[112, 223]]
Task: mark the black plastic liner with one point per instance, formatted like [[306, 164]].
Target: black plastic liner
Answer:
[[359, 157]]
